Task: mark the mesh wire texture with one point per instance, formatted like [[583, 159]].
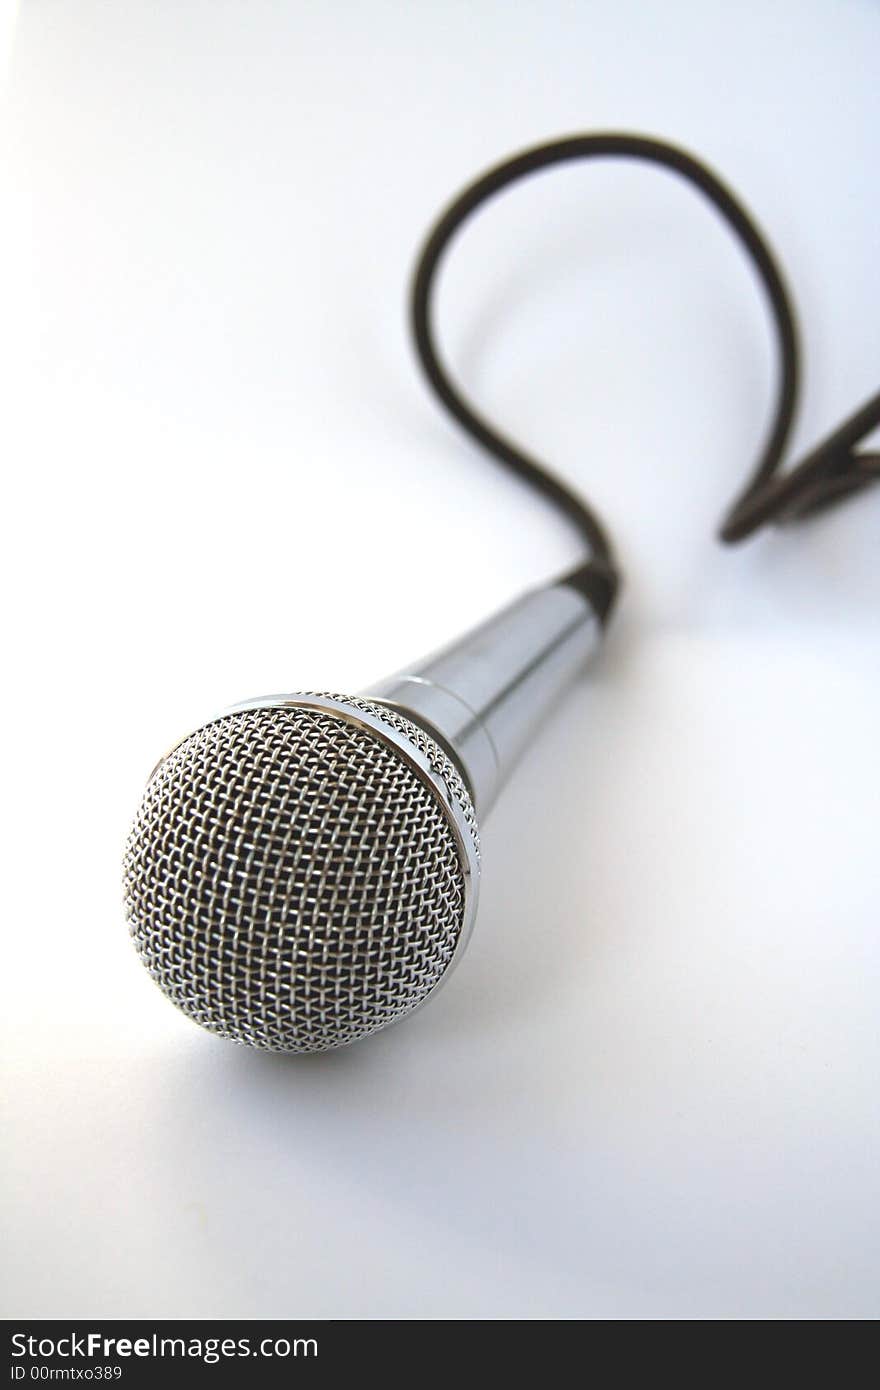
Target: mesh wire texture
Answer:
[[291, 882]]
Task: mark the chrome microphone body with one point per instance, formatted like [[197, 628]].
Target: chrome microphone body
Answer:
[[304, 869], [487, 693]]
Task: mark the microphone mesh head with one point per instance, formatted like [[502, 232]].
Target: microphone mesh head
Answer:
[[294, 880]]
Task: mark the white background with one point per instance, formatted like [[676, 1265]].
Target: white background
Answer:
[[651, 1088]]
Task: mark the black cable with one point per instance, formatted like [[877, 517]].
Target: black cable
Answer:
[[831, 471]]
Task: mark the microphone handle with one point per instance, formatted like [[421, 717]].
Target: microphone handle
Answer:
[[485, 694]]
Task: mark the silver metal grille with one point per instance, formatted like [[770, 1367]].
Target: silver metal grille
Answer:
[[291, 881], [440, 761]]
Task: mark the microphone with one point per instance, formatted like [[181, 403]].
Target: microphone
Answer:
[[303, 870]]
